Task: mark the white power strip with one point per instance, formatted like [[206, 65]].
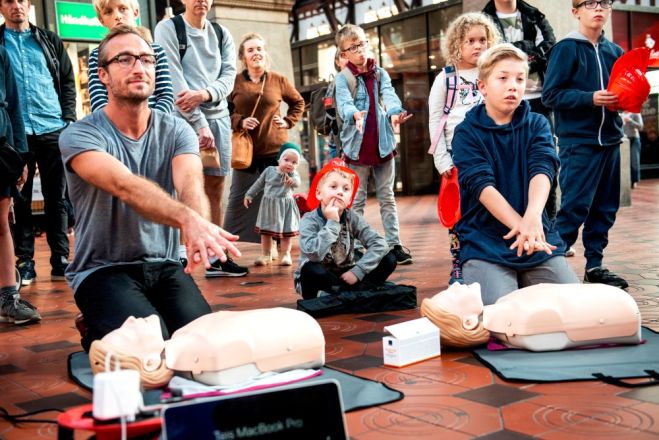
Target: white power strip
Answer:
[[117, 394]]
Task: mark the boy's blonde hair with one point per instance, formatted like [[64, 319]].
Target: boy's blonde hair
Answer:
[[458, 29], [500, 52], [241, 49], [343, 174], [349, 32], [99, 5]]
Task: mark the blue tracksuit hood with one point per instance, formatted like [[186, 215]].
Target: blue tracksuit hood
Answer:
[[577, 68], [505, 157]]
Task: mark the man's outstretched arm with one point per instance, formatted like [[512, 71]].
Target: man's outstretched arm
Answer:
[[202, 238]]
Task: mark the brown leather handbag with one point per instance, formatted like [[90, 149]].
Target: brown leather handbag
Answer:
[[241, 142], [210, 157]]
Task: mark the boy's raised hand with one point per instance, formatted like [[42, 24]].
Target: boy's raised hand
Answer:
[[331, 211], [604, 98], [359, 120]]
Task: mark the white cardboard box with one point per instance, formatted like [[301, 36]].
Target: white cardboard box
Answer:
[[410, 342]]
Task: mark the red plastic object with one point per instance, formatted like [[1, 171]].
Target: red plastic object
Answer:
[[448, 202], [628, 80], [301, 202], [76, 419]]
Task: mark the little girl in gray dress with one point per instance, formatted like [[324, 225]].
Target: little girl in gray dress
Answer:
[[278, 214]]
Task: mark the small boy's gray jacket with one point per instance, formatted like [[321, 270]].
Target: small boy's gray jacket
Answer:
[[317, 235], [351, 138]]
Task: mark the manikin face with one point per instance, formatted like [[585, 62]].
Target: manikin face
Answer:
[[15, 12], [334, 189], [134, 83], [288, 162], [503, 89], [356, 51], [254, 54], [118, 12], [592, 19], [473, 45]]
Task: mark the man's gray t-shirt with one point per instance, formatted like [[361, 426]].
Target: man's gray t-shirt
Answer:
[[108, 231]]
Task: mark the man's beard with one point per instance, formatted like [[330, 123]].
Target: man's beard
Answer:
[[130, 97]]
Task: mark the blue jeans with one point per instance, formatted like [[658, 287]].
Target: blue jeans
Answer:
[[497, 280], [110, 295], [384, 175], [590, 196], [635, 158]]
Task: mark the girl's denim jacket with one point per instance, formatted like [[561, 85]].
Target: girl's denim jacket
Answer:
[[385, 95]]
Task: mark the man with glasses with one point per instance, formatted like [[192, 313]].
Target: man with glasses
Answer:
[[47, 93], [135, 180], [589, 135]]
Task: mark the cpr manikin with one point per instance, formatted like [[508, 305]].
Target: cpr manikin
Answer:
[[222, 348], [542, 317]]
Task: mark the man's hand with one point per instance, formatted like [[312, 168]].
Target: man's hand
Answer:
[[250, 123], [204, 240], [188, 100], [349, 277], [331, 211], [279, 122], [529, 236], [206, 138], [359, 120], [604, 98]]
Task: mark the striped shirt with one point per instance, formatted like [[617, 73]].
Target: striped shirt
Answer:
[[163, 95]]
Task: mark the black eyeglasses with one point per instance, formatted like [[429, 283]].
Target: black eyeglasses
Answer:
[[592, 4], [356, 47], [128, 60]]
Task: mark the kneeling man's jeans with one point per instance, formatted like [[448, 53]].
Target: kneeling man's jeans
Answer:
[[110, 295]]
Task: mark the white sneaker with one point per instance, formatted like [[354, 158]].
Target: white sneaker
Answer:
[[286, 259]]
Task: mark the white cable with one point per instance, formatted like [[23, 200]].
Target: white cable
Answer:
[[122, 419]]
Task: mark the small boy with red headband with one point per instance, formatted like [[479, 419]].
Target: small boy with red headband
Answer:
[[328, 234]]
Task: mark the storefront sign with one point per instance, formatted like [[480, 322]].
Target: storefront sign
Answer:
[[78, 21]]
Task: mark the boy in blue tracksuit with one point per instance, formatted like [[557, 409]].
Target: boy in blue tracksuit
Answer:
[[589, 135], [506, 161], [367, 136]]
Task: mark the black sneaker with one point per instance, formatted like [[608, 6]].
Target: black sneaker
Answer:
[[226, 269], [603, 276], [26, 269], [402, 254], [59, 266], [17, 310]]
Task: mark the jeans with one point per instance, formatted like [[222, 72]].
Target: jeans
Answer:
[[46, 154], [635, 158], [590, 196], [111, 294], [497, 280], [384, 175], [315, 276]]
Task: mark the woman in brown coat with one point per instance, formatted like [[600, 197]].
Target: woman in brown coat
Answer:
[[268, 128]]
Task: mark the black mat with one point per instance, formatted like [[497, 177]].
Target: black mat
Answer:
[[356, 392], [610, 364]]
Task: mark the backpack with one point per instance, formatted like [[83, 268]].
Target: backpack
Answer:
[[324, 116], [451, 89], [182, 36]]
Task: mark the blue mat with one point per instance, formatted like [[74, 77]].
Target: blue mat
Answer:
[[610, 364], [356, 392]]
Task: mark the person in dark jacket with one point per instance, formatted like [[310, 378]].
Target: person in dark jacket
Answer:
[[527, 29], [506, 161], [12, 135], [589, 135], [47, 93]]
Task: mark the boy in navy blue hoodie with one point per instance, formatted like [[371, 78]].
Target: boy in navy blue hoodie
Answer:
[[506, 161], [589, 135]]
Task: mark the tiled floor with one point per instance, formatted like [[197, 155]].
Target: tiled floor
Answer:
[[451, 397]]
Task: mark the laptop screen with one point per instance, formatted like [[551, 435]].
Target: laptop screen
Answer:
[[298, 411]]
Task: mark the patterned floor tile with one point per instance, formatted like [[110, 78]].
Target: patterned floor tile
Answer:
[[496, 395]]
